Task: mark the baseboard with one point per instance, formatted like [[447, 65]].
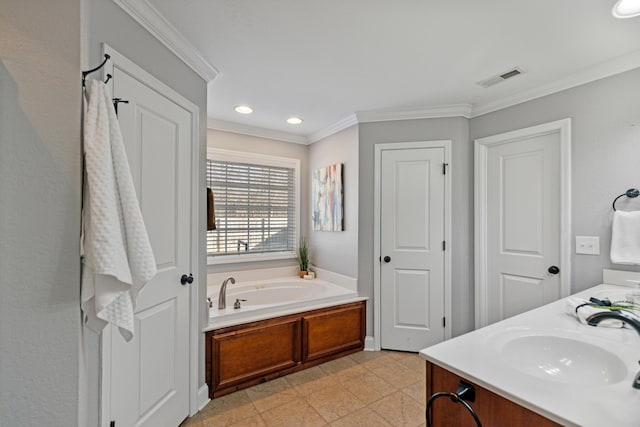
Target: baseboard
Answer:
[[203, 396], [369, 344]]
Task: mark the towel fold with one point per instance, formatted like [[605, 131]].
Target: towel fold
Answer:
[[117, 256], [211, 214], [625, 238], [582, 309]]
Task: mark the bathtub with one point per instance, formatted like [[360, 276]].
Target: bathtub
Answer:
[[275, 297]]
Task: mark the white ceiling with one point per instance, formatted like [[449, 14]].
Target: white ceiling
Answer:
[[326, 60]]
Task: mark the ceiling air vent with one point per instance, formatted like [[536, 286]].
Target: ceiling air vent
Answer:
[[501, 77]]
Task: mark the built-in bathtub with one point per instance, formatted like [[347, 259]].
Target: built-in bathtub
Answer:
[[274, 297]]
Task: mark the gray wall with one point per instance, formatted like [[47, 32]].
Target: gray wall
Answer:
[[605, 154], [110, 24], [456, 130], [39, 212], [338, 251], [253, 144]]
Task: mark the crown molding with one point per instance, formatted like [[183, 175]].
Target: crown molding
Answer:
[[453, 110], [256, 131], [600, 71], [154, 22], [345, 123]]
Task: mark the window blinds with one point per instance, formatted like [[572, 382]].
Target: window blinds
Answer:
[[255, 208]]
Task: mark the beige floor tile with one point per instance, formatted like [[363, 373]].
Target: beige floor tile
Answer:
[[398, 355], [366, 356], [399, 409], [368, 387], [228, 410], [414, 362], [418, 391], [398, 375], [338, 365], [272, 394], [306, 376], [296, 413], [254, 421], [316, 386], [334, 402], [195, 421], [364, 417]]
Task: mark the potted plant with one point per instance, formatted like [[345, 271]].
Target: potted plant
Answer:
[[303, 256]]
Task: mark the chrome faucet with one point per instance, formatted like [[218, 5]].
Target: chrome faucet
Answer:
[[628, 318], [222, 297]]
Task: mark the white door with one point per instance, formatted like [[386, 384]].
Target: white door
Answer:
[[523, 223], [412, 221], [147, 379]]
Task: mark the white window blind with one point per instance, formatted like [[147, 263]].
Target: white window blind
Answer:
[[255, 208]]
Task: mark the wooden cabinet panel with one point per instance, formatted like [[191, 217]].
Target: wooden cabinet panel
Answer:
[[333, 331], [254, 352], [493, 410], [243, 355]]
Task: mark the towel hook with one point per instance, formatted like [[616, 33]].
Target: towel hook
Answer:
[[631, 193], [86, 73]]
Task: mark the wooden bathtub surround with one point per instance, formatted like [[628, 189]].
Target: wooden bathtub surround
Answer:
[[244, 355], [493, 410]]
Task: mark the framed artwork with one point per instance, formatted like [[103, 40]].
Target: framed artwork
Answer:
[[326, 185]]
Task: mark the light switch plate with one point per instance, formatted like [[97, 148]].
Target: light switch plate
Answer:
[[588, 245]]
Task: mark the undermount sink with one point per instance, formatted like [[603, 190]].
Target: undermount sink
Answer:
[[563, 360]]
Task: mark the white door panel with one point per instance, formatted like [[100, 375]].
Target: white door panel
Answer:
[[412, 235], [149, 376], [523, 223]]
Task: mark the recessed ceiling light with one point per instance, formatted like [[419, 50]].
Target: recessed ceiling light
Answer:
[[244, 109], [294, 120], [626, 8]]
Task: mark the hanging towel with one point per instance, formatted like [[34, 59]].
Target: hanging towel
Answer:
[[117, 256], [625, 238], [211, 214]]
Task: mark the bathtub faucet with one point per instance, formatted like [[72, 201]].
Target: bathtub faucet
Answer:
[[222, 297]]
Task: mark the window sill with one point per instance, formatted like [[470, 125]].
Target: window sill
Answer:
[[235, 259]]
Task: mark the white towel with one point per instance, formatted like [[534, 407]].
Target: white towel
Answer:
[[118, 260], [625, 238], [575, 307]]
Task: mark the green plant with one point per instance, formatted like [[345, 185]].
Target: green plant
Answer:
[[303, 254]]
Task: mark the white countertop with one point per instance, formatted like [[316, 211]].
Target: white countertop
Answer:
[[477, 357]]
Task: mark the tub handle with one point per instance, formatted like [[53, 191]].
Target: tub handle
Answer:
[[236, 305]]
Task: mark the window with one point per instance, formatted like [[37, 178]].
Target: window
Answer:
[[256, 206]]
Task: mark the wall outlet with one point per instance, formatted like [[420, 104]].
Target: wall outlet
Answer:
[[588, 245]]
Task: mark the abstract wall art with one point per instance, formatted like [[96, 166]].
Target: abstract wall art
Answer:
[[327, 198]]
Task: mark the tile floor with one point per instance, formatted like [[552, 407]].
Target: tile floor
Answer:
[[364, 389]]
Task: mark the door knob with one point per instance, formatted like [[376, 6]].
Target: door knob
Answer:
[[186, 279], [387, 258], [553, 269]]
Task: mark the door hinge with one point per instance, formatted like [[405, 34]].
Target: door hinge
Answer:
[[444, 168], [444, 322], [444, 245], [380, 259]]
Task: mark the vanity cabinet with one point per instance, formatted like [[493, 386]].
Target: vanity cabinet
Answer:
[[251, 353], [493, 410]]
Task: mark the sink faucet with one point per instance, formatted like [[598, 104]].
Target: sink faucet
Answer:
[[628, 318], [222, 297]]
